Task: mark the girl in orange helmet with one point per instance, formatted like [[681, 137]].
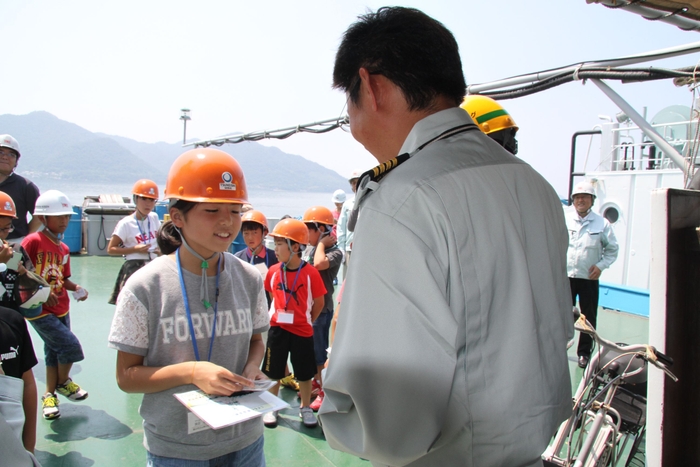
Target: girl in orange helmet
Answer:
[[193, 319], [134, 236]]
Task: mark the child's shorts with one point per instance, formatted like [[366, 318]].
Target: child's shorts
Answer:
[[282, 343], [60, 344]]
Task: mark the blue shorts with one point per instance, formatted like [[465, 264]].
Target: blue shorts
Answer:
[[249, 456], [60, 344], [322, 327]]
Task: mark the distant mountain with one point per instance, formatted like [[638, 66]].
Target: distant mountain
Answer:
[[56, 149]]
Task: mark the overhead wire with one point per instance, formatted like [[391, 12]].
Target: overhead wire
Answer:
[[681, 76], [625, 75], [320, 127]]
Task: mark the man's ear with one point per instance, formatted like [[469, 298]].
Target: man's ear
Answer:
[[369, 87]]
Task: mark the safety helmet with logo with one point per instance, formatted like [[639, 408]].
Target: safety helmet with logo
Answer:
[[318, 215], [53, 203], [255, 216], [487, 113], [292, 229], [7, 141], [354, 175], [206, 175], [7, 206], [585, 187], [33, 292], [145, 189], [338, 196]]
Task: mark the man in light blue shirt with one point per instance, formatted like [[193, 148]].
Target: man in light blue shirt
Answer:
[[592, 249]]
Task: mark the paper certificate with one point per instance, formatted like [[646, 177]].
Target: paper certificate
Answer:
[[221, 411]]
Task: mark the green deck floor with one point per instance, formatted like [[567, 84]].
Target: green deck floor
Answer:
[[105, 429]]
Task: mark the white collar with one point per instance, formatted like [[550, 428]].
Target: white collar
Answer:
[[432, 126]]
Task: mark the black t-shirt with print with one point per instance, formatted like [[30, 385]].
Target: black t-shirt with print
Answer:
[[16, 349]]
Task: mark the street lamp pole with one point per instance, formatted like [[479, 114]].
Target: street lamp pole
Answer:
[[184, 117]]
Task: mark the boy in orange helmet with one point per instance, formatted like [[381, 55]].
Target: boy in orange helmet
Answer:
[[297, 299]]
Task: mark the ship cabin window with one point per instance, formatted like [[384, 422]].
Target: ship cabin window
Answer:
[[611, 214]]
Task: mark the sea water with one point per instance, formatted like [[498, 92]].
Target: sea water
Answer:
[[274, 204]]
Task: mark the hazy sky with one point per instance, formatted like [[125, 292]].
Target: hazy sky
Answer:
[[127, 68]]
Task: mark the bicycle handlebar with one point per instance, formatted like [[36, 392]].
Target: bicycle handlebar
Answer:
[[663, 358], [645, 351]]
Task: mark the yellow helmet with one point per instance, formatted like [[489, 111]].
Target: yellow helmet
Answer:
[[487, 113]]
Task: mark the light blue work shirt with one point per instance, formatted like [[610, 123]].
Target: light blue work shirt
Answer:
[[591, 242]]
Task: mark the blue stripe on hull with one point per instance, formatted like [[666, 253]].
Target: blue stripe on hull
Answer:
[[623, 298]]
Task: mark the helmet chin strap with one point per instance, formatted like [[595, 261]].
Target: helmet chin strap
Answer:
[[292, 253], [203, 289], [58, 236]]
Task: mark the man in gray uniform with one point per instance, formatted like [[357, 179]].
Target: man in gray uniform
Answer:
[[451, 343]]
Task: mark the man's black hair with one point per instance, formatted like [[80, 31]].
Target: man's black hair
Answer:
[[417, 53]]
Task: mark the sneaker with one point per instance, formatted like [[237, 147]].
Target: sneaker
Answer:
[[289, 382], [49, 403], [307, 417], [270, 419], [71, 390], [316, 404]]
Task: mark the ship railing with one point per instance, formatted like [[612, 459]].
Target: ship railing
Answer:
[[634, 151]]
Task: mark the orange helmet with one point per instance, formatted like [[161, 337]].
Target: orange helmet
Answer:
[[318, 215], [255, 216], [145, 189], [205, 175], [291, 229], [7, 206]]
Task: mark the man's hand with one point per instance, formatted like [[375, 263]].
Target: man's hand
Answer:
[[594, 273]]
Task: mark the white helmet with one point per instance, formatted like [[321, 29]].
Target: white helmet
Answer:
[[7, 141], [338, 196], [355, 174], [33, 292], [53, 203], [584, 188]]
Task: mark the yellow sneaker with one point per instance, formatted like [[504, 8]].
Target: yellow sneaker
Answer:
[[290, 382]]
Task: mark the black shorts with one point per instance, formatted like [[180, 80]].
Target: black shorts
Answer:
[[280, 344]]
